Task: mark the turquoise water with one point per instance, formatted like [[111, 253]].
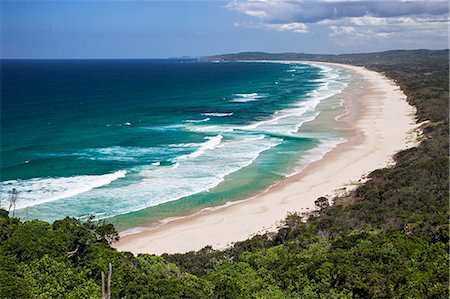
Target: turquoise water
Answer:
[[133, 140]]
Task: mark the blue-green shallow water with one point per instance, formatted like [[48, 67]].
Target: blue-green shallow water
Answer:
[[146, 139]]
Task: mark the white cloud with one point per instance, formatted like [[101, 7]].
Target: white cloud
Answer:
[[256, 13], [315, 11], [350, 19], [294, 27], [368, 21], [340, 30], [390, 27]]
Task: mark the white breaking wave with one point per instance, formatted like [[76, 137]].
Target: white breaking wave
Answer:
[[217, 114], [191, 176], [178, 145], [38, 191], [157, 185], [211, 129], [289, 120], [197, 120], [245, 97], [210, 144]]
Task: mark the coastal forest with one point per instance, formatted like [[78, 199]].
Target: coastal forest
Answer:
[[389, 238]]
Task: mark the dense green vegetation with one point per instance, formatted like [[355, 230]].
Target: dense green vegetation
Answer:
[[387, 239], [394, 57]]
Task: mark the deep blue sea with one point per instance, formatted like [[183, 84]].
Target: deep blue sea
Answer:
[[154, 138]]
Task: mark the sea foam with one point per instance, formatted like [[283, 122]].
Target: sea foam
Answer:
[[38, 191], [245, 97], [208, 145], [188, 176], [191, 176], [197, 120], [217, 114]]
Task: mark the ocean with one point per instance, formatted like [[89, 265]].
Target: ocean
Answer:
[[134, 141]]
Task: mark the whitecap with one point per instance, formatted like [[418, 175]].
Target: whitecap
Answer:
[[38, 191], [217, 114], [197, 120], [211, 143], [246, 97], [289, 120], [191, 176]]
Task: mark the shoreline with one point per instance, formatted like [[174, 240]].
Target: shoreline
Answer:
[[331, 106], [380, 123]]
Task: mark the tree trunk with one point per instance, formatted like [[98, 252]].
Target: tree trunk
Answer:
[[109, 281], [103, 285]]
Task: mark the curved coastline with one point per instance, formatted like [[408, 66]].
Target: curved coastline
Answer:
[[379, 123]]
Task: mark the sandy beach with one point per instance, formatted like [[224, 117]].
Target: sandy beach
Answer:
[[379, 122]]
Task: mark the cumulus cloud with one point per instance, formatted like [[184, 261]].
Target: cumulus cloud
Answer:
[[348, 18], [274, 11], [295, 27]]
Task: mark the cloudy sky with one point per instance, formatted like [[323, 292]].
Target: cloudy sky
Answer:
[[159, 29]]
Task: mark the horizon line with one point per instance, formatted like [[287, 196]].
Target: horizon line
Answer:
[[188, 57]]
